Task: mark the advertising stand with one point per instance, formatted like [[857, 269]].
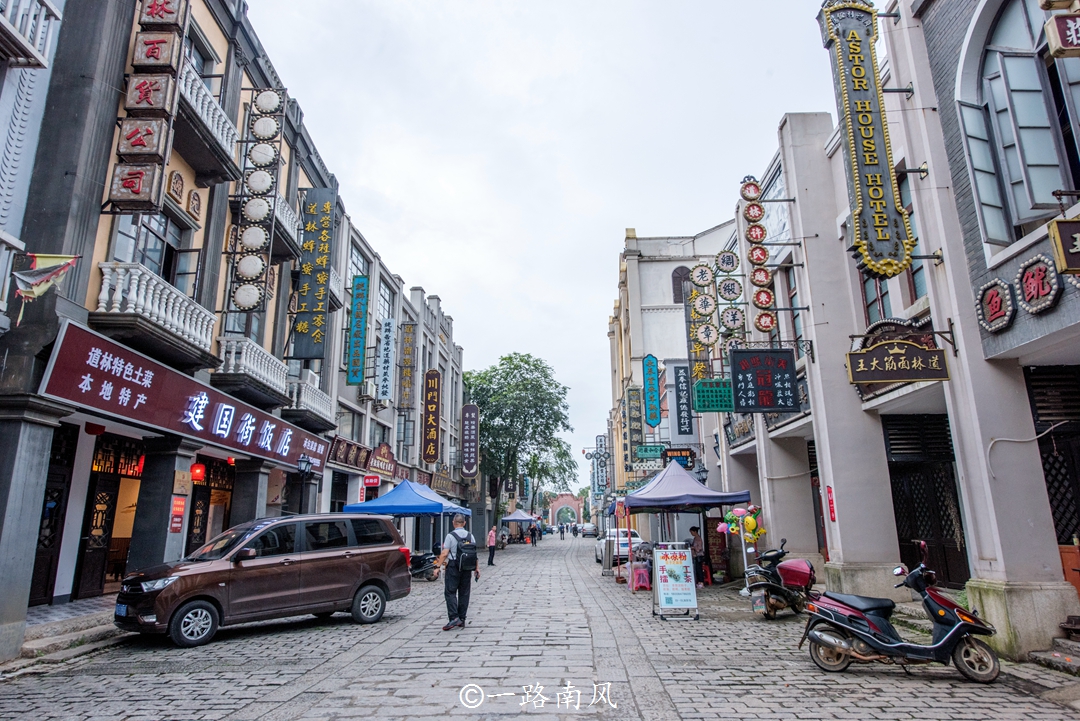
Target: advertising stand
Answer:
[[673, 581]]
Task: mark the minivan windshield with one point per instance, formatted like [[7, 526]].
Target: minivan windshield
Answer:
[[217, 547]]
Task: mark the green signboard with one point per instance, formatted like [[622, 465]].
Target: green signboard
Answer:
[[713, 395], [649, 452]]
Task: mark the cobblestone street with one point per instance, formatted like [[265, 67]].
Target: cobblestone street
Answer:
[[541, 616]]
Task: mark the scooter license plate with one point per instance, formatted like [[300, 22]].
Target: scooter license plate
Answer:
[[758, 600]]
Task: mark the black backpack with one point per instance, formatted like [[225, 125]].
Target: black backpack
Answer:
[[466, 553]]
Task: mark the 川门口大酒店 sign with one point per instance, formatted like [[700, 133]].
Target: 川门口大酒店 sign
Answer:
[[96, 374]]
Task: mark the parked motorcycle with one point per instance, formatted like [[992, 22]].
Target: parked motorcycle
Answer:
[[844, 628], [775, 584], [422, 565]]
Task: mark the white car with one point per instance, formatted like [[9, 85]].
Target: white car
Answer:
[[624, 547]]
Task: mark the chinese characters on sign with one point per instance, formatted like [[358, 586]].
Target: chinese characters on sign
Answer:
[[996, 306], [1063, 34], [408, 363], [1065, 239], [601, 468], [1038, 284], [897, 361], [651, 370], [763, 380], [697, 352], [92, 372], [382, 460], [358, 331], [683, 400], [432, 411], [634, 421], [347, 453], [882, 240], [685, 457], [674, 582], [470, 441], [713, 395], [385, 372], [312, 318]]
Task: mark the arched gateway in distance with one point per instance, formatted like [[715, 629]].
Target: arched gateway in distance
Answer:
[[567, 501]]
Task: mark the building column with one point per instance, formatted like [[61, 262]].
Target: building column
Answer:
[[26, 425], [249, 490], [153, 539]]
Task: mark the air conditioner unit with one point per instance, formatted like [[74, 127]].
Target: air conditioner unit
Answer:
[[366, 391]]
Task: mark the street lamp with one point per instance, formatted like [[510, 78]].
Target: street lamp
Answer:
[[303, 464]]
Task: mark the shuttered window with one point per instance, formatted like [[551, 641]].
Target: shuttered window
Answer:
[[1054, 393], [917, 438]]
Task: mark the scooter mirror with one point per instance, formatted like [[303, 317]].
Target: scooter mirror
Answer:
[[899, 571]]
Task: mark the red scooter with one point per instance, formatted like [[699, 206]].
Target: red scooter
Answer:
[[776, 584], [843, 628]]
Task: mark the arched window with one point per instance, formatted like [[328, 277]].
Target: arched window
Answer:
[[680, 274], [1020, 125]]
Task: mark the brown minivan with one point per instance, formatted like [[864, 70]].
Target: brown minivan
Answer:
[[270, 568]]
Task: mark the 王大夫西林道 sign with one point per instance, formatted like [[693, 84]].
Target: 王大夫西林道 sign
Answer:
[[358, 331], [312, 319], [385, 372], [882, 237], [432, 411], [93, 372], [764, 380], [897, 361], [674, 571], [651, 370], [470, 441]]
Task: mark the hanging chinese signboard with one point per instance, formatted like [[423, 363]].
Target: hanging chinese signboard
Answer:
[[882, 237], [651, 371], [633, 412], [897, 361], [470, 441], [408, 363], [685, 457], [996, 307], [601, 468], [645, 453], [344, 452], [1039, 284], [382, 460], [697, 352], [432, 411], [100, 376], [713, 395], [884, 333], [1065, 238], [1062, 31], [384, 373], [683, 400], [763, 380], [358, 330], [316, 250]]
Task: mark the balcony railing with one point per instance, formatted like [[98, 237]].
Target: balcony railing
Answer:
[[9, 246], [205, 105], [286, 218], [337, 291], [133, 289], [244, 356], [26, 30], [307, 397]]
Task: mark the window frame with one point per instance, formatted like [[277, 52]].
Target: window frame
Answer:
[[881, 298], [680, 274]]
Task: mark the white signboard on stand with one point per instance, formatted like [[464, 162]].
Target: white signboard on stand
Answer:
[[673, 579]]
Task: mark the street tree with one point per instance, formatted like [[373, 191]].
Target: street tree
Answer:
[[551, 469]]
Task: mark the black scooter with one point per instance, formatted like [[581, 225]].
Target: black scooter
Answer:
[[422, 565], [844, 628]]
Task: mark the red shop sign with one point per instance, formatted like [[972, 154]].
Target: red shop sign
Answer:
[[92, 372], [832, 504], [176, 520], [372, 481]]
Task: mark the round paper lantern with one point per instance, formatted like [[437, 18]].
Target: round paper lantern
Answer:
[[247, 296], [262, 154], [265, 128], [251, 267], [256, 210], [259, 182], [254, 237], [268, 101]]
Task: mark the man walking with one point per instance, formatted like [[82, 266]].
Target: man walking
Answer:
[[491, 546], [458, 582]]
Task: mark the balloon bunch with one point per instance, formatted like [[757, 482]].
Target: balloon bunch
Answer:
[[751, 525]]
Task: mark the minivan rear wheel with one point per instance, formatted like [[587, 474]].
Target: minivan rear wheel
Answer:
[[368, 604], [194, 624]]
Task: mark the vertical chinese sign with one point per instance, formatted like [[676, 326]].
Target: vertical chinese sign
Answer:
[[408, 363], [385, 371], [358, 330], [651, 371], [602, 455], [470, 441], [633, 412], [698, 352], [882, 238], [683, 414], [764, 380], [432, 407], [316, 249]]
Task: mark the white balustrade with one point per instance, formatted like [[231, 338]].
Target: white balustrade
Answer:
[[286, 218], [305, 396], [133, 289], [335, 284], [26, 30], [245, 356], [193, 89]]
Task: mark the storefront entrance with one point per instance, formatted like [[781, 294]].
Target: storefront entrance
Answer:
[[926, 503], [53, 510], [211, 499]]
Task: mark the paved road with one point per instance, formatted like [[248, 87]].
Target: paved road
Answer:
[[543, 616]]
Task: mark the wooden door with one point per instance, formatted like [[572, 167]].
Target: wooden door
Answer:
[[53, 510], [200, 517], [97, 534]]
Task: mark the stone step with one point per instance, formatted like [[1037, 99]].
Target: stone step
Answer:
[[1064, 645], [922, 625], [910, 610], [37, 647], [67, 625], [1057, 660]]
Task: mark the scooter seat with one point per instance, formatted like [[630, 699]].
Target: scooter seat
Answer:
[[865, 604]]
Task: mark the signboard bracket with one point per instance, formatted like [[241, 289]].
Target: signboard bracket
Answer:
[[947, 335], [909, 91]]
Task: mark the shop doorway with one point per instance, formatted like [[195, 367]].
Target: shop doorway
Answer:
[[211, 499], [819, 510], [1055, 406], [53, 510], [926, 502], [109, 515]]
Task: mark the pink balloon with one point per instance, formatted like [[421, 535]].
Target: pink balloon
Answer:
[[740, 512], [722, 528]]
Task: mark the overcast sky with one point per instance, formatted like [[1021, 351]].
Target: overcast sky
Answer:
[[495, 152]]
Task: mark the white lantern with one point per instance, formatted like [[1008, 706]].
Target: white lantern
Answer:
[[259, 182], [256, 210], [265, 128], [246, 296], [262, 154], [251, 267], [254, 238], [268, 101]]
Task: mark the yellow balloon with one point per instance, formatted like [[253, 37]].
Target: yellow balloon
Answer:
[[749, 523]]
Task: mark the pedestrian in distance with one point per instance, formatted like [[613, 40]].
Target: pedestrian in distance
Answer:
[[562, 531], [491, 546], [532, 534], [697, 551], [458, 559]]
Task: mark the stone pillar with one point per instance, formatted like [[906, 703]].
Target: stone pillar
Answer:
[[152, 540], [26, 425], [249, 490], [788, 506]]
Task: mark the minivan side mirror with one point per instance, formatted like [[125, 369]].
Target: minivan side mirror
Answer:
[[244, 554]]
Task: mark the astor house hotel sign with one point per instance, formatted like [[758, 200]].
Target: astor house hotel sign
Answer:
[[881, 232]]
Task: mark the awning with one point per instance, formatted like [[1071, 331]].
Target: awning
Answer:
[[518, 516], [673, 490], [408, 499]]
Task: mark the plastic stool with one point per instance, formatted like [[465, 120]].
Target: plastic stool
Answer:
[[641, 579], [706, 573]]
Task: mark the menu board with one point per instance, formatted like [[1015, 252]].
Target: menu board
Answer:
[[764, 380]]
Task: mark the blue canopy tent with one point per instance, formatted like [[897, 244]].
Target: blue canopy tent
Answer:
[[408, 499], [673, 490]]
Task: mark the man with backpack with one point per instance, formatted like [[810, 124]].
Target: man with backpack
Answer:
[[460, 561]]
